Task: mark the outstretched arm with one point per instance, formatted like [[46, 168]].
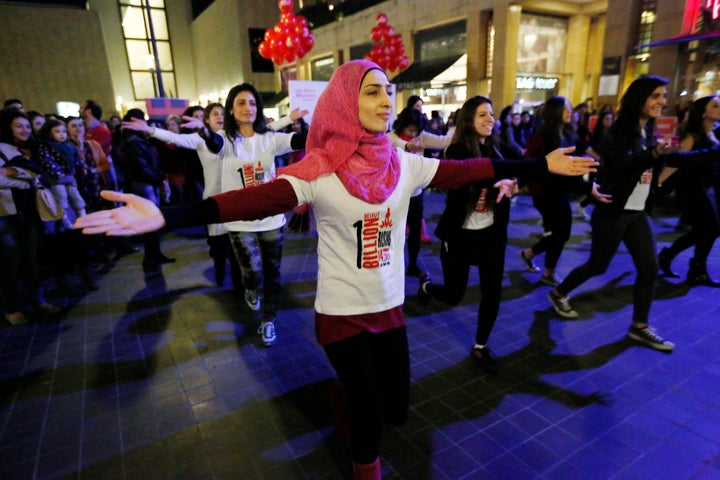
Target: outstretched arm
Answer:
[[452, 174], [139, 215]]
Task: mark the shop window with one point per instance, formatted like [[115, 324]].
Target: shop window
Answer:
[[441, 42], [647, 21], [322, 68], [137, 17], [541, 47]]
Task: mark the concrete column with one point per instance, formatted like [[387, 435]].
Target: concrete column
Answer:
[[506, 19], [476, 49], [575, 58]]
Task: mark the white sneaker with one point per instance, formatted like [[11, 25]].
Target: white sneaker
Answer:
[[267, 333], [562, 305], [253, 300]]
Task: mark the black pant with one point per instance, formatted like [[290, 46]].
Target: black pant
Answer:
[[414, 223], [699, 211], [486, 249], [374, 369], [635, 231], [557, 222]]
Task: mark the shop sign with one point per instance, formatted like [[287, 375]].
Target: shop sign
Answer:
[[693, 10], [535, 83], [713, 7]]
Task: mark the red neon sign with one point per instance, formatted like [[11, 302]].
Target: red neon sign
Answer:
[[692, 11], [714, 7]]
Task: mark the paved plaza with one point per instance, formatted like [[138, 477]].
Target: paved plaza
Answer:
[[166, 377]]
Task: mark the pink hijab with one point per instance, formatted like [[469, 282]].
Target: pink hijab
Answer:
[[366, 163]]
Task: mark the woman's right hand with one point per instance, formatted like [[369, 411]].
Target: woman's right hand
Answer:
[[138, 125], [138, 215], [560, 163], [192, 123]]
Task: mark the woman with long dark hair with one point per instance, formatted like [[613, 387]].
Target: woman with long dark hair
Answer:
[[695, 192], [247, 154], [630, 153], [551, 194], [475, 215]]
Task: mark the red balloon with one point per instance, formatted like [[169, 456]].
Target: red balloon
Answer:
[[269, 34], [285, 6], [277, 58], [404, 62], [301, 20], [301, 52], [291, 43], [301, 32], [264, 50], [389, 32], [400, 48], [287, 18], [309, 42], [381, 19], [393, 64], [290, 56], [376, 34]]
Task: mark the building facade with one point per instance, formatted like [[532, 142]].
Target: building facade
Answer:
[[517, 52]]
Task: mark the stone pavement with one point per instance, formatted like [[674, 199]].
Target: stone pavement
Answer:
[[166, 378]]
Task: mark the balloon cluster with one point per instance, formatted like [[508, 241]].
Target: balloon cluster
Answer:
[[389, 49], [291, 38]]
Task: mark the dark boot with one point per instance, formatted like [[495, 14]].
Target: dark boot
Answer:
[[697, 275], [367, 471], [665, 259]]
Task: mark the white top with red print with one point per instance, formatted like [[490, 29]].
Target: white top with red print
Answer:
[[361, 263], [250, 161]]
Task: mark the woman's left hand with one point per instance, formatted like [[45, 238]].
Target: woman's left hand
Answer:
[[600, 197], [139, 215], [560, 163], [508, 187]]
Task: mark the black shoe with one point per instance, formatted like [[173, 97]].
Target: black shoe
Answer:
[[484, 357], [664, 261], [422, 292], [697, 275], [164, 259]]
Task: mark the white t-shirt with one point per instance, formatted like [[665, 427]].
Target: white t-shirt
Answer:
[[482, 217], [361, 263], [250, 161]]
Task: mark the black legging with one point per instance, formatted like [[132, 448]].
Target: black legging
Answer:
[[414, 223], [557, 222], [486, 249], [634, 230], [374, 369], [699, 211]]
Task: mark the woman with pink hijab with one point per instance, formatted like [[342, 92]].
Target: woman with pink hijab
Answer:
[[359, 187]]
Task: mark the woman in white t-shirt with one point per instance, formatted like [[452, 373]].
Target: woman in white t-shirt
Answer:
[[359, 187]]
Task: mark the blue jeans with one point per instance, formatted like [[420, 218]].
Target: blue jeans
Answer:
[[259, 255], [19, 241], [633, 229]]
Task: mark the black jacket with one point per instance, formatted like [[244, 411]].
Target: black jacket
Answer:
[[459, 200]]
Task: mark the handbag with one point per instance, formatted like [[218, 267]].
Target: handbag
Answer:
[[47, 205]]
